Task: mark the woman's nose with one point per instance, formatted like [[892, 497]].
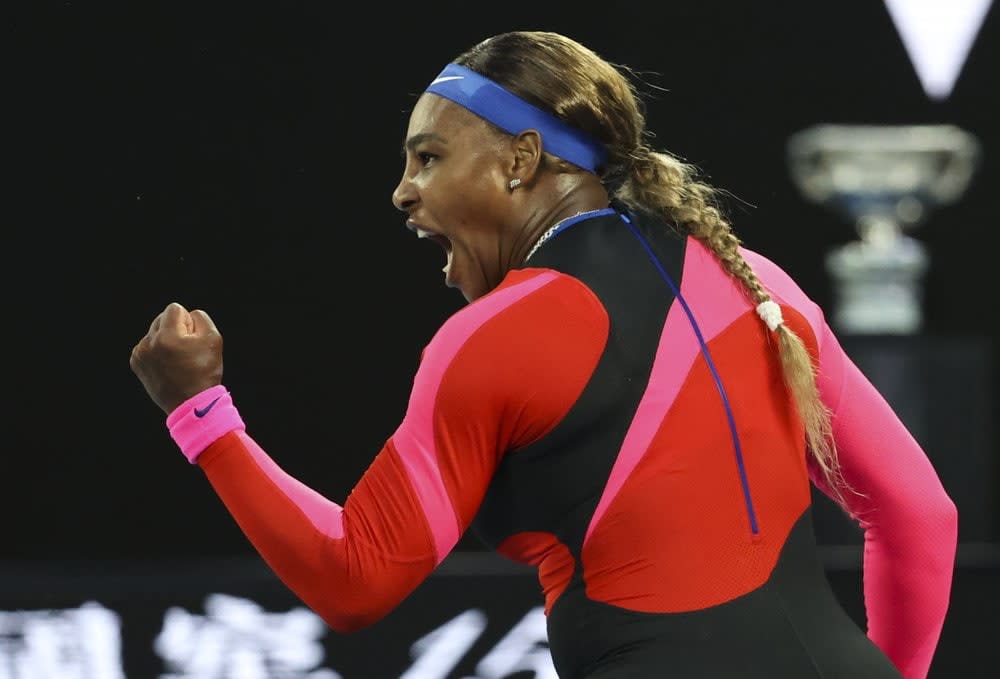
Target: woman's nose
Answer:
[[403, 196]]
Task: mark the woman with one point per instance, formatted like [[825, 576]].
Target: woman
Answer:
[[631, 401]]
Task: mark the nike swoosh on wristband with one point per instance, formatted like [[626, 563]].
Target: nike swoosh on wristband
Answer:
[[446, 78], [201, 412]]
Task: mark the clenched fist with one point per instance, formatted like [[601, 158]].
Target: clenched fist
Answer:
[[180, 356]]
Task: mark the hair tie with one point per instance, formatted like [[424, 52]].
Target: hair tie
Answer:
[[770, 313]]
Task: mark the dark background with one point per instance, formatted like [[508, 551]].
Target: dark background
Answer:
[[241, 160]]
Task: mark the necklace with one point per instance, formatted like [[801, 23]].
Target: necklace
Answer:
[[551, 231]]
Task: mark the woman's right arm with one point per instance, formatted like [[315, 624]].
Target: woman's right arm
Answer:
[[910, 523]]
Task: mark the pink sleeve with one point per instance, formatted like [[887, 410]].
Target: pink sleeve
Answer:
[[910, 524]]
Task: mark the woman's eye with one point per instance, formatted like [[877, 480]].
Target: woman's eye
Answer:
[[425, 157]]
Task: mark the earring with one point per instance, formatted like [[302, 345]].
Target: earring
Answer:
[[514, 183]]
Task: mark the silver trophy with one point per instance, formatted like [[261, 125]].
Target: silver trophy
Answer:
[[884, 179]]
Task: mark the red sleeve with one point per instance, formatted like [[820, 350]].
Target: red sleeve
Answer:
[[498, 375], [351, 565], [910, 524]]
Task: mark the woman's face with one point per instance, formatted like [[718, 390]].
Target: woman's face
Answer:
[[454, 189]]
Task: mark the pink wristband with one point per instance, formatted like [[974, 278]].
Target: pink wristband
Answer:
[[203, 419]]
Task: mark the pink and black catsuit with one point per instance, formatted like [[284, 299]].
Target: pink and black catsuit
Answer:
[[614, 413]]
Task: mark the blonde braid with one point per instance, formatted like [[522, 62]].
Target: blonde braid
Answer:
[[670, 186]]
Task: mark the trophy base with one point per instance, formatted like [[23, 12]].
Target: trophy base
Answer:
[[878, 287]]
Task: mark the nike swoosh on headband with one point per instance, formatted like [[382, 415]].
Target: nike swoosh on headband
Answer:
[[510, 113]]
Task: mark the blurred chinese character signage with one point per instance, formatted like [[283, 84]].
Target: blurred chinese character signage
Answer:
[[466, 627]]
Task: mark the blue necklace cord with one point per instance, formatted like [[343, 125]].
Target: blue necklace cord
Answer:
[[744, 481]]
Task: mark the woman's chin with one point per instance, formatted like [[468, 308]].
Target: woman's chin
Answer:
[[452, 281]]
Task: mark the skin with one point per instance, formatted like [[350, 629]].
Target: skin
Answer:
[[179, 356], [455, 184]]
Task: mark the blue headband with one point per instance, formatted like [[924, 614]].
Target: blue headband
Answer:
[[509, 112]]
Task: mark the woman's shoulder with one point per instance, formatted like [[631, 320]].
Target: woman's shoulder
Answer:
[[784, 289], [776, 279], [531, 307]]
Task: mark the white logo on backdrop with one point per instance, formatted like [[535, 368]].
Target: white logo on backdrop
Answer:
[[522, 649], [72, 643], [237, 639]]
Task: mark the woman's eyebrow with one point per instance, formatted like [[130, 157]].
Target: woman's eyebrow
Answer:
[[417, 139]]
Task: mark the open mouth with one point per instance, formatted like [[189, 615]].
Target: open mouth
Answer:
[[437, 238], [442, 241], [424, 234]]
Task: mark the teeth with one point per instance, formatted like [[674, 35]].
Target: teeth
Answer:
[[423, 234]]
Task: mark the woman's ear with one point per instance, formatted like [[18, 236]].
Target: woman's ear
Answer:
[[527, 156]]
